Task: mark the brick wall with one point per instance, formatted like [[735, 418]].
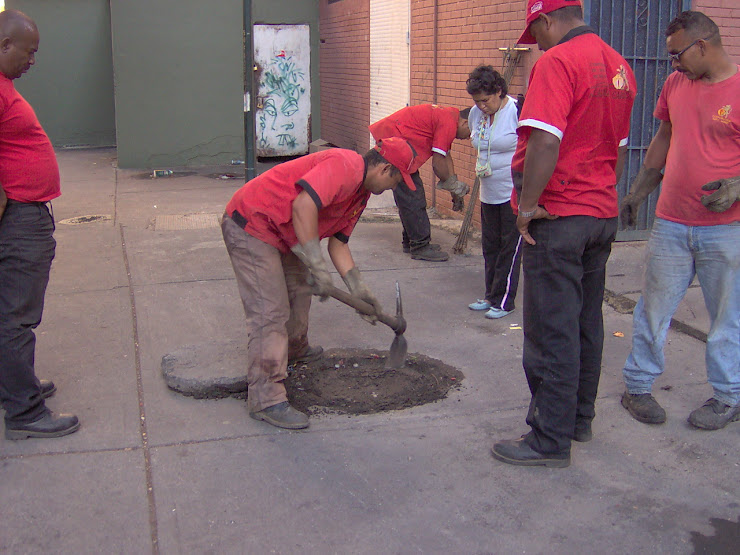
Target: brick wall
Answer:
[[726, 14], [469, 33], [345, 72]]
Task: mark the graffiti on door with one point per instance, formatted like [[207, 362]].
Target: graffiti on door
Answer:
[[283, 100]]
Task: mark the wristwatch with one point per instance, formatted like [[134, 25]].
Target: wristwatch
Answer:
[[524, 214]]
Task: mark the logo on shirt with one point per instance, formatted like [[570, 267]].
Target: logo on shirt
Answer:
[[620, 81], [723, 114]]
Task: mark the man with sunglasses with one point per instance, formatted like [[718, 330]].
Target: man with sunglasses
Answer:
[[697, 225]]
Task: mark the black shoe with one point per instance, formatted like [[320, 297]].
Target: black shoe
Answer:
[[583, 432], [427, 252], [518, 452], [643, 407], [435, 246], [309, 355], [47, 388], [282, 415], [49, 425]]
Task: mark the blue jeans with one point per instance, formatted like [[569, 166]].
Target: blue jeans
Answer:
[[26, 251], [676, 253]]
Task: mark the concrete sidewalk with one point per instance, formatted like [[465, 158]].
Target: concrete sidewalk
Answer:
[[151, 471]]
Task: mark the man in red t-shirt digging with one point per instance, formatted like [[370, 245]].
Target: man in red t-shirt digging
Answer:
[[29, 179], [430, 130], [572, 142], [272, 228]]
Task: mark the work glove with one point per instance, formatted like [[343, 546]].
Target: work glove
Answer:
[[646, 182], [451, 184], [458, 203], [320, 279], [358, 288], [726, 193]]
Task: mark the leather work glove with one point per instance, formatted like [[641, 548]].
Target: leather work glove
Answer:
[[358, 288], [646, 182], [458, 203], [320, 279], [726, 193], [451, 184]]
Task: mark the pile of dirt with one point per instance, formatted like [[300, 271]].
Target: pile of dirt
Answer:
[[355, 381]]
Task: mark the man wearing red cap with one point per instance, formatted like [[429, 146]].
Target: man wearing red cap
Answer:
[[272, 228], [573, 133], [430, 130]]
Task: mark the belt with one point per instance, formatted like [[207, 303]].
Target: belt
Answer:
[[239, 220], [32, 202]]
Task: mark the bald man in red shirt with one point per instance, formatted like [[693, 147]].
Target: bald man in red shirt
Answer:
[[29, 180]]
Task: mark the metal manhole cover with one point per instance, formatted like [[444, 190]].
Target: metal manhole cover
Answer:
[[174, 222], [86, 219]]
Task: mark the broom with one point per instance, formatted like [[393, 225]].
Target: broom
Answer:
[[467, 223]]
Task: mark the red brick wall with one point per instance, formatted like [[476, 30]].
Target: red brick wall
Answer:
[[469, 33], [726, 14], [344, 72]]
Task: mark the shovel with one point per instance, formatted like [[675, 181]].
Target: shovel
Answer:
[[397, 354]]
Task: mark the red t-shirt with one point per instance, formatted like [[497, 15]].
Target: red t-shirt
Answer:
[[705, 146], [333, 178], [427, 127], [582, 92], [28, 165]]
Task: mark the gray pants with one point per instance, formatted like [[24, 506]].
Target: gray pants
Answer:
[[276, 300]]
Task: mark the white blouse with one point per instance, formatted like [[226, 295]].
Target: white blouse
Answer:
[[495, 140]]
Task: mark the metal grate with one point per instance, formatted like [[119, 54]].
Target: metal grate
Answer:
[[176, 222], [635, 28]]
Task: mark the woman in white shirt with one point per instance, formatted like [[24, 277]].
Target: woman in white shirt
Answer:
[[493, 122]]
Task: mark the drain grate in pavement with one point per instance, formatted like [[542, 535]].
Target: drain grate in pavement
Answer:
[[175, 222], [86, 219]]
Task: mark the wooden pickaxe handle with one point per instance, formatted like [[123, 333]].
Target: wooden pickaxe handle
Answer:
[[366, 308]]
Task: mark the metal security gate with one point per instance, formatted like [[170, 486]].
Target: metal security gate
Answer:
[[636, 29]]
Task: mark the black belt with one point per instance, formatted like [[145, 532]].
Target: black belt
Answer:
[[33, 202], [239, 220]]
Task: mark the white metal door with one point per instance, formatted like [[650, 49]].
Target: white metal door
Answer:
[[282, 57], [389, 57]]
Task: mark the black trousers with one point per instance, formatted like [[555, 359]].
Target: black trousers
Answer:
[[27, 248], [412, 209], [563, 325], [501, 243]]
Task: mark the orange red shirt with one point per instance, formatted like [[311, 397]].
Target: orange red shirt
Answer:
[[581, 91], [28, 165], [334, 180], [705, 146], [427, 128]]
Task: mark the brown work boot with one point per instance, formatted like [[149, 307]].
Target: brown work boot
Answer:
[[282, 415], [309, 355], [427, 252], [643, 407]]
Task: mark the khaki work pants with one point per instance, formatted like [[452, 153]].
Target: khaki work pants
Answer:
[[276, 300]]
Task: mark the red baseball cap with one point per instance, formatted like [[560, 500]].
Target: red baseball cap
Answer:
[[536, 7], [400, 154]]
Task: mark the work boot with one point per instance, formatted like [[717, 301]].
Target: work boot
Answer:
[[407, 247], [582, 432], [49, 425], [282, 415], [518, 452], [714, 415], [47, 388], [309, 355], [427, 252], [643, 407]]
